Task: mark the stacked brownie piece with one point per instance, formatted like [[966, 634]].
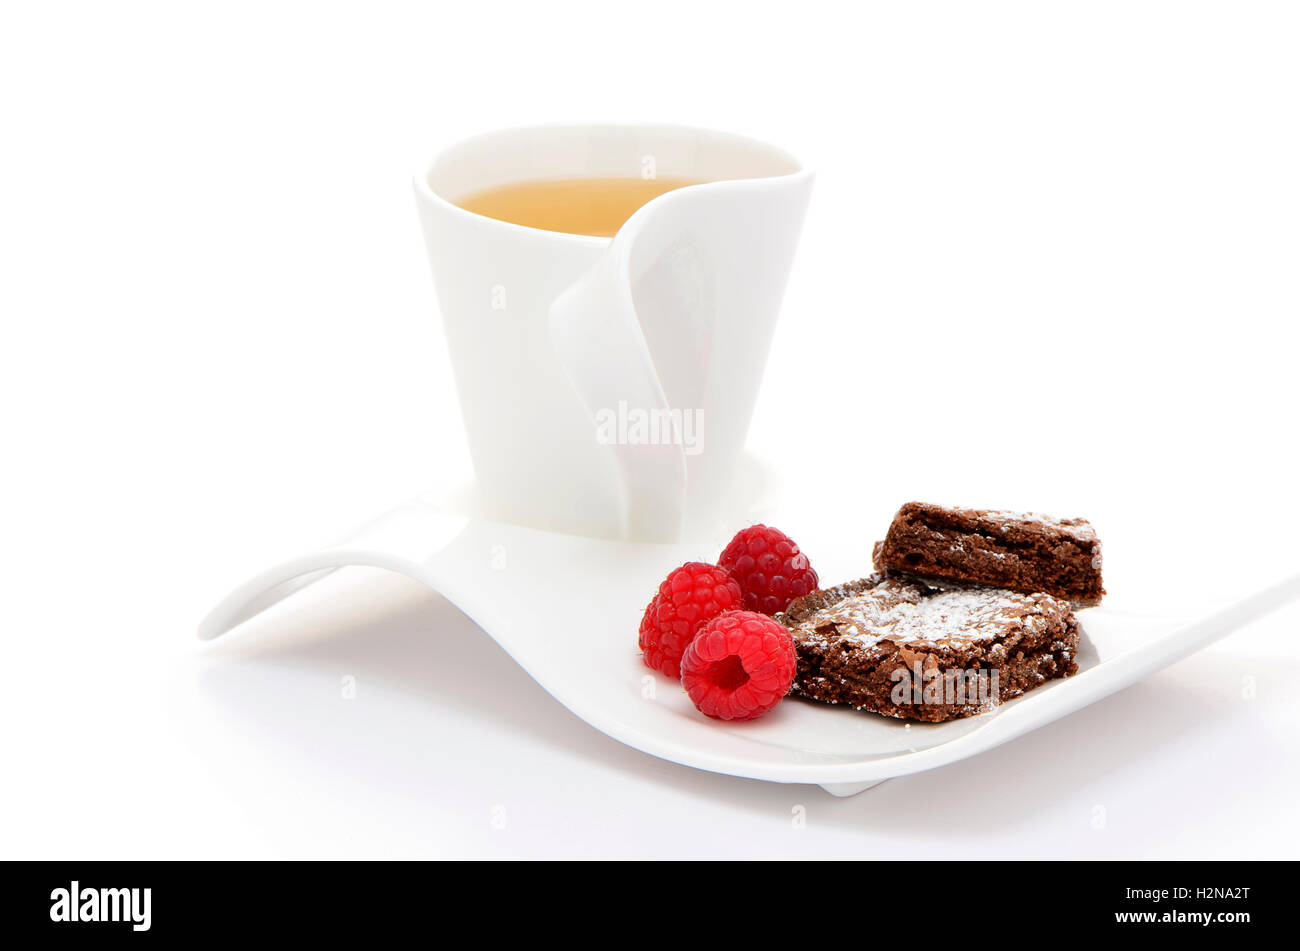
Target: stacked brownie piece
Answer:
[[1021, 552], [968, 608]]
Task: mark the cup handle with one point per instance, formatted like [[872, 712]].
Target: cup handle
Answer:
[[598, 340]]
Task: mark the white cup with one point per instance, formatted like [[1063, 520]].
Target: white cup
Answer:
[[607, 384]]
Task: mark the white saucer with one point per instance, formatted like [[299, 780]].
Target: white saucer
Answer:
[[567, 609]]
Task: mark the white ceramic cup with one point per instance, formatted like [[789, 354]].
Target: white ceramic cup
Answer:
[[607, 384]]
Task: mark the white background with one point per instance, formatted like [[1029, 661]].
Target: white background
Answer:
[[1051, 263]]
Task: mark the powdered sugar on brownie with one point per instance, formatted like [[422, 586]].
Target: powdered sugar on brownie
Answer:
[[857, 642], [1078, 527], [904, 611]]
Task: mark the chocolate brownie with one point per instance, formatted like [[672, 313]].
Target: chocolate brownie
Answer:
[[900, 647], [1020, 552]]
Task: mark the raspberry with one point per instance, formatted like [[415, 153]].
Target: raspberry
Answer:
[[771, 569], [688, 597], [739, 666]]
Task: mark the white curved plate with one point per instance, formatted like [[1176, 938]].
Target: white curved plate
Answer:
[[567, 608]]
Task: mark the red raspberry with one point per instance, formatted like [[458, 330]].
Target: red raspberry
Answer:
[[739, 666], [688, 597], [771, 569]]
